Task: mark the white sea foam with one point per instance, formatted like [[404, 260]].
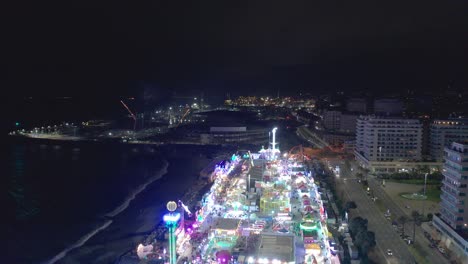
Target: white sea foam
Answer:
[[138, 190], [78, 243], [113, 213]]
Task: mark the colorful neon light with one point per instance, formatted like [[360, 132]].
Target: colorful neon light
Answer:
[[185, 208], [308, 227], [174, 217]]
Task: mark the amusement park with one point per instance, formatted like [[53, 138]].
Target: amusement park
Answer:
[[262, 207]]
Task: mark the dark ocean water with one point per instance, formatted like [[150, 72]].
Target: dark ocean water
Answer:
[[54, 192]]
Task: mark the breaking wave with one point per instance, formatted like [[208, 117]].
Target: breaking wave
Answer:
[[113, 213]]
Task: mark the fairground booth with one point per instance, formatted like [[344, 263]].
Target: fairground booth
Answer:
[[226, 232], [275, 199], [275, 248]]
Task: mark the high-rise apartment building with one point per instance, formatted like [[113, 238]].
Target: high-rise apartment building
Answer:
[[389, 139], [331, 119], [339, 122], [443, 132], [339, 127], [454, 201], [348, 123], [388, 144], [452, 223]]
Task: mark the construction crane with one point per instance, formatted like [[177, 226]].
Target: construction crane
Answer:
[[131, 114], [183, 116]]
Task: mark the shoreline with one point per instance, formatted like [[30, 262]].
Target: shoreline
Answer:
[[73, 139], [117, 231], [192, 195], [195, 194], [116, 211], [142, 218]]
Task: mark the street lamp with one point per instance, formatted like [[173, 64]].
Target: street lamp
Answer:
[[425, 198], [425, 180]]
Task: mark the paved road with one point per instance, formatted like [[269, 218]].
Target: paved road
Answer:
[[306, 134], [386, 237], [396, 212]]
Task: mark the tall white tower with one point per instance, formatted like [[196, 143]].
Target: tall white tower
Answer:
[[273, 151], [273, 142]]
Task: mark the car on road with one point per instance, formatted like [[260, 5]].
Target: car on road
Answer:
[[441, 249], [389, 252]]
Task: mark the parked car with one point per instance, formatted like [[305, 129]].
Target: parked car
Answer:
[[389, 252]]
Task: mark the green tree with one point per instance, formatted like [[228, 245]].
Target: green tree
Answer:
[[416, 216], [350, 205], [416, 219], [403, 220], [357, 225], [365, 241]]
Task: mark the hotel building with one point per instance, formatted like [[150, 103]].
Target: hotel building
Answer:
[[389, 145], [454, 189], [453, 220], [443, 133]]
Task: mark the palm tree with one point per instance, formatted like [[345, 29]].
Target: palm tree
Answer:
[[403, 219], [416, 216]]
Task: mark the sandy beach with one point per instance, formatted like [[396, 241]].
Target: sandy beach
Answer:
[[144, 213]]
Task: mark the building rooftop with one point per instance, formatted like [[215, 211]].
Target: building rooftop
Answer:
[[228, 223], [257, 171], [460, 147], [277, 246]]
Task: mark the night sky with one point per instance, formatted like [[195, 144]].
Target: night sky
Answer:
[[71, 48]]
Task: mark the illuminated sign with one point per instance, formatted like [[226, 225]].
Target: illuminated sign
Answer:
[[171, 217], [308, 226]]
